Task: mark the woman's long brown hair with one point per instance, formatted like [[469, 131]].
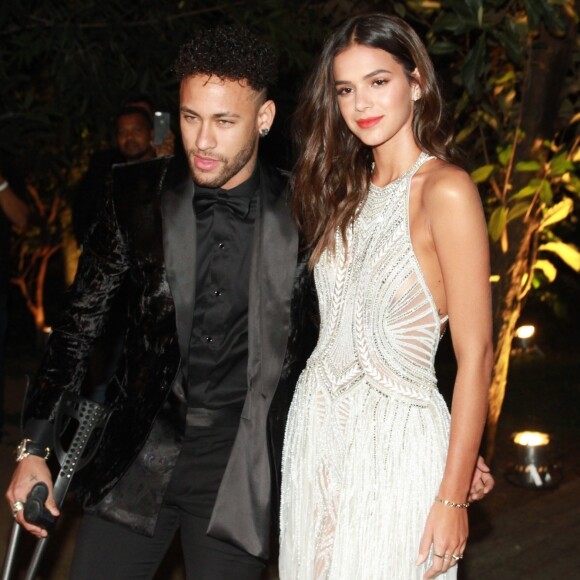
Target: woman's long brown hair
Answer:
[[333, 169]]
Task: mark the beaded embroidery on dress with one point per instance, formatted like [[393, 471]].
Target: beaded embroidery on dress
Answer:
[[367, 434]]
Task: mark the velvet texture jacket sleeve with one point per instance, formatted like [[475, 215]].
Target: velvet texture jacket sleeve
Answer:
[[124, 249], [102, 268]]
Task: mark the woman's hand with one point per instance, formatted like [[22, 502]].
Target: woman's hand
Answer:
[[446, 530]]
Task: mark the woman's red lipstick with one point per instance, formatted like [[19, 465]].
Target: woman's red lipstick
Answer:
[[368, 122]]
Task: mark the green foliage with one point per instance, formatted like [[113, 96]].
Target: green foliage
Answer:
[[515, 69], [568, 253], [497, 222], [548, 191], [489, 47]]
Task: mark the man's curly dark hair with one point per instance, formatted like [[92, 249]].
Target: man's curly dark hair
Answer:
[[230, 53]]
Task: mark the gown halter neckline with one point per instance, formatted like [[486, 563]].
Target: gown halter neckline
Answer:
[[423, 156]]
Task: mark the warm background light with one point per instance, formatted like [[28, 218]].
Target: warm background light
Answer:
[[531, 438], [525, 331]]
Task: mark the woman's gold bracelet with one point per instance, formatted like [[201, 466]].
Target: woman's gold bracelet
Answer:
[[452, 504]]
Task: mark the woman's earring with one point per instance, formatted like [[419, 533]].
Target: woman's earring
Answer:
[[416, 93]]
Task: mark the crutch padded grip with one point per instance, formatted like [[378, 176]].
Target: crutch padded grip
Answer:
[[34, 510]]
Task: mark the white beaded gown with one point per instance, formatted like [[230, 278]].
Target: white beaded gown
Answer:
[[368, 431]]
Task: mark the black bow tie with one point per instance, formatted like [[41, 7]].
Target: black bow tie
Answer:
[[203, 200]]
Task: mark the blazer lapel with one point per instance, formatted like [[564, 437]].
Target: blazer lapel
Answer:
[[242, 511], [179, 248], [271, 282]]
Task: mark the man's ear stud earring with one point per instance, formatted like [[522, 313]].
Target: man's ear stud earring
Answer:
[[264, 132]]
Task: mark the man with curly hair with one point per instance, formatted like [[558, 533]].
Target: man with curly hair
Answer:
[[218, 330]]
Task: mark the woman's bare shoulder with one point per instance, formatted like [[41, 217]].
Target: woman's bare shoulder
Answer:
[[444, 185]]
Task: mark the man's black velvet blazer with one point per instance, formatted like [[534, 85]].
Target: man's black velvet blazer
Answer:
[[144, 242]]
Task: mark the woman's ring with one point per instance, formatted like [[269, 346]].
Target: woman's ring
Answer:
[[458, 557]]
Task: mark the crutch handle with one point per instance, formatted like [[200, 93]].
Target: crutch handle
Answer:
[[91, 417], [34, 510]]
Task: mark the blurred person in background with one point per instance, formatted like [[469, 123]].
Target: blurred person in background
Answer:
[[13, 213]]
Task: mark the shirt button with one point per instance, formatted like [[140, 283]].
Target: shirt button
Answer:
[[217, 292], [208, 339], [221, 245]]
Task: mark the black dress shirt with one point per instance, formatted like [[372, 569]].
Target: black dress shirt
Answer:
[[218, 347], [218, 350]]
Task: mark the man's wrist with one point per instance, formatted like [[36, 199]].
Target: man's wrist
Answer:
[[28, 447]]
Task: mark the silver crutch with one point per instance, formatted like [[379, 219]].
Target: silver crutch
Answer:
[[90, 419]]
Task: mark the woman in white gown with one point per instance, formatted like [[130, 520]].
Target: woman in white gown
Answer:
[[376, 471]]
